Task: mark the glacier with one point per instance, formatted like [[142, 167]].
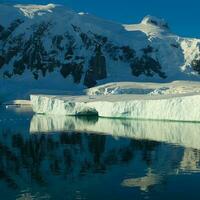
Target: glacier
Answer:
[[149, 88], [179, 107], [176, 101]]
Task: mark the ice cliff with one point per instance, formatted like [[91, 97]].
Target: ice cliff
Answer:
[[180, 107]]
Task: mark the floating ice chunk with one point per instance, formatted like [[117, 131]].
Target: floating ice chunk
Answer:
[[18, 102]]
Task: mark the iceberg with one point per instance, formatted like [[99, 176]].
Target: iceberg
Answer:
[[177, 107], [184, 134]]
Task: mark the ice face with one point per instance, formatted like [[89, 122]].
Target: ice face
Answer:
[[180, 107]]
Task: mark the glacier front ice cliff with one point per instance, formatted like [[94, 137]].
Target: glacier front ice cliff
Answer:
[[178, 107]]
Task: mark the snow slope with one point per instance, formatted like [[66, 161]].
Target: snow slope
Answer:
[[116, 88], [50, 47]]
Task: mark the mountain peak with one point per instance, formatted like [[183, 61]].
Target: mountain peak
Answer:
[[30, 10], [155, 21]]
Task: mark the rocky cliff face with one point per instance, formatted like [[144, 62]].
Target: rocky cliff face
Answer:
[[37, 42]]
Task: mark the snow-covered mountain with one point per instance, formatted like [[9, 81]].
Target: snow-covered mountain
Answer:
[[52, 47]]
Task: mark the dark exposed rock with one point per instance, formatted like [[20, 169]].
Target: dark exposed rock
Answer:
[[113, 51], [76, 70], [98, 64], [86, 40], [1, 28], [154, 22], [79, 58], [35, 74], [148, 49], [19, 67], [100, 39], [69, 54], [196, 65], [147, 66], [123, 53], [66, 70], [166, 26], [2, 61], [175, 45], [89, 80], [76, 28], [128, 54], [7, 74], [77, 73], [5, 33], [34, 54], [56, 41], [14, 48]]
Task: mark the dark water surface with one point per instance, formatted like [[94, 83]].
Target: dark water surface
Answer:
[[52, 157]]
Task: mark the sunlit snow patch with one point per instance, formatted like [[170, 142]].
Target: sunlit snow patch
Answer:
[[31, 10]]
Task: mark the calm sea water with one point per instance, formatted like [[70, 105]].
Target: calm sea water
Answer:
[[52, 157]]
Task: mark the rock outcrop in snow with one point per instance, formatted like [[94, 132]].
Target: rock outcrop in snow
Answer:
[[161, 23]]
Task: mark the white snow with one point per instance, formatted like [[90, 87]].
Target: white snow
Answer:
[[177, 133], [31, 10], [176, 87]]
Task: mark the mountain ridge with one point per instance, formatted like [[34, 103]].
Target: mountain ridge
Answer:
[[53, 47]]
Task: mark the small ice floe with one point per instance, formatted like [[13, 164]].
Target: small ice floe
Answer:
[[17, 103]]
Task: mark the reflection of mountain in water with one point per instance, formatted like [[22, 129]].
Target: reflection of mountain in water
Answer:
[[183, 134], [70, 157]]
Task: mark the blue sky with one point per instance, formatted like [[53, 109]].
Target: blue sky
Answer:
[[183, 16]]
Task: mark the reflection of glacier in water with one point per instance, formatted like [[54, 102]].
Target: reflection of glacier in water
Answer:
[[179, 133]]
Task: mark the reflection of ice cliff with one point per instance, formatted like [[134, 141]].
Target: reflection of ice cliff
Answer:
[[69, 160], [179, 133]]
